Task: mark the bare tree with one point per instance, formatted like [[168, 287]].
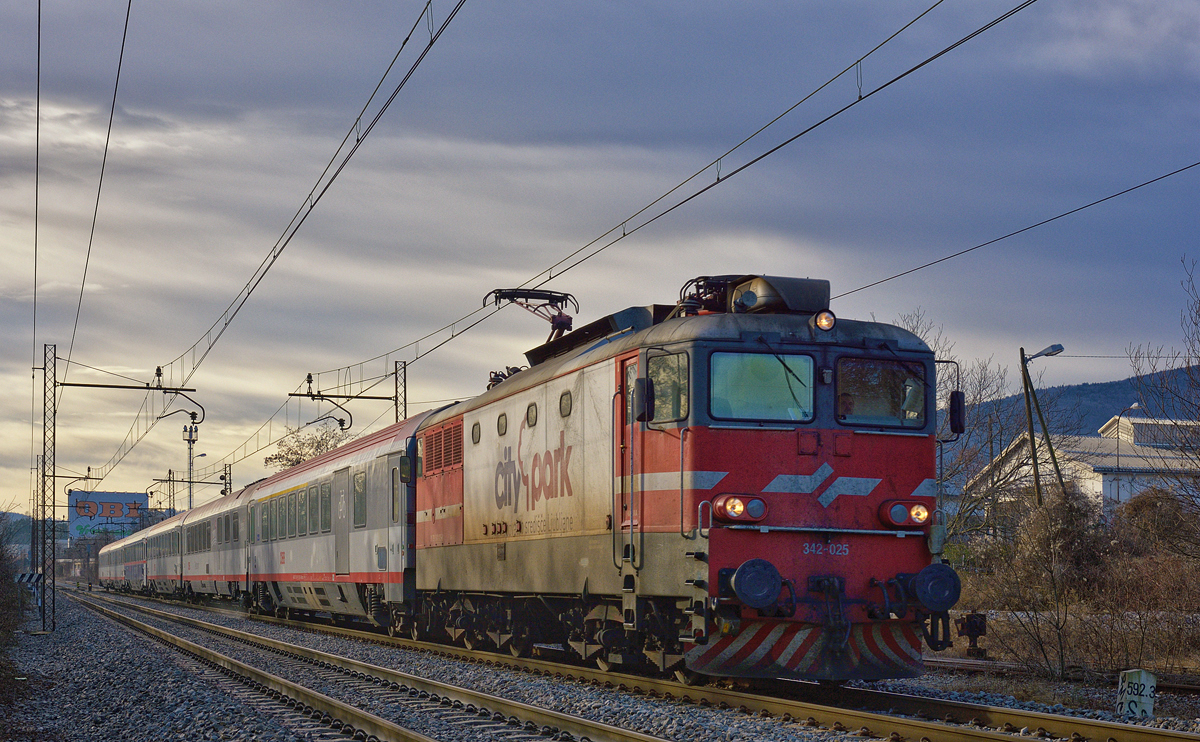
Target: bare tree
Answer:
[[306, 444], [981, 481], [10, 603], [1168, 385]]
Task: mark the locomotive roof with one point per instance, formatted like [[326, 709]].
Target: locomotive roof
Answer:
[[638, 327]]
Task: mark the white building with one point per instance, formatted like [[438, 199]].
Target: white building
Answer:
[[1130, 454]]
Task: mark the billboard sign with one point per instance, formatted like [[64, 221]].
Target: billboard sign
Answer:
[[115, 514]]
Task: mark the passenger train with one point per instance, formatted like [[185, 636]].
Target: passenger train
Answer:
[[740, 484]]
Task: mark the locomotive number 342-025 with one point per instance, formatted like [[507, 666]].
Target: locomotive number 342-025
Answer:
[[823, 549]]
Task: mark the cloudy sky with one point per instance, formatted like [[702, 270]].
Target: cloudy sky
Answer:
[[531, 129]]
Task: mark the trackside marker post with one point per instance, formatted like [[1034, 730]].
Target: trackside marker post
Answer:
[[1135, 694]]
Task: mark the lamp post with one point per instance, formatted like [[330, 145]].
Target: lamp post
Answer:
[[1030, 393], [191, 435], [1117, 477]]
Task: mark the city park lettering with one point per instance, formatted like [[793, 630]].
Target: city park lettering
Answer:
[[549, 476]]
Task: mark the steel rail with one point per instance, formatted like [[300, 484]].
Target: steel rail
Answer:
[[978, 721], [577, 726], [342, 714]]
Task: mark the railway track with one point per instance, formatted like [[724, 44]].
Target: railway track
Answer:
[[479, 712], [867, 713]]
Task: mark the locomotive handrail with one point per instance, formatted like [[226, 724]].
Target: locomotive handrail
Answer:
[[682, 435], [700, 519], [612, 502]]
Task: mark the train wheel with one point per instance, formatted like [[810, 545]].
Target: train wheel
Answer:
[[603, 664], [393, 630]]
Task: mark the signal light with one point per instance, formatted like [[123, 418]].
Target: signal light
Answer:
[[901, 514], [739, 508]]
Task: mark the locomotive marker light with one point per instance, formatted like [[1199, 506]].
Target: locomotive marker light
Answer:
[[824, 320]]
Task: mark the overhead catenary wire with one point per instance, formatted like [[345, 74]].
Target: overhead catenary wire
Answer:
[[623, 226], [99, 187], [180, 370], [1022, 230], [623, 229], [37, 193]]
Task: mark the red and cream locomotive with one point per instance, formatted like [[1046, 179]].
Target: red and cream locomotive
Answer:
[[736, 485]]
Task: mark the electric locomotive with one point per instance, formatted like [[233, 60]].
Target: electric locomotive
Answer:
[[736, 485], [739, 484]]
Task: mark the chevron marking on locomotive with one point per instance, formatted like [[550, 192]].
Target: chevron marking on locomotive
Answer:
[[854, 486], [806, 484], [800, 484], [928, 488], [801, 650]]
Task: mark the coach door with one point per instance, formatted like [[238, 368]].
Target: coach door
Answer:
[[341, 521]]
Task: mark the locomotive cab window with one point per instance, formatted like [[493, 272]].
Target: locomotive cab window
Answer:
[[880, 392], [669, 375], [761, 386]]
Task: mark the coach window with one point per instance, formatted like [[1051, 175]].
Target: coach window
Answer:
[[274, 518], [301, 513], [761, 386], [291, 506], [326, 507], [502, 424], [669, 373], [396, 490], [235, 528], [314, 511], [880, 392], [251, 525], [360, 499], [227, 535], [265, 521]]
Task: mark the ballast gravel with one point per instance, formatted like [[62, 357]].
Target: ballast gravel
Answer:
[[93, 680], [666, 719]]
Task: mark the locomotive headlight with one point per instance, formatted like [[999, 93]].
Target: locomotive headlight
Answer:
[[904, 514], [824, 320], [743, 508], [919, 514]]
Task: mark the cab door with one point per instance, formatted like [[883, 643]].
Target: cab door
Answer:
[[402, 532], [626, 498]]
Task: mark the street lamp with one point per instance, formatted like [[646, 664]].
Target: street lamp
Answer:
[[1117, 478], [191, 433], [1027, 388]]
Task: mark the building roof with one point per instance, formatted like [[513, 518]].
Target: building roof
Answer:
[[1124, 446]]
